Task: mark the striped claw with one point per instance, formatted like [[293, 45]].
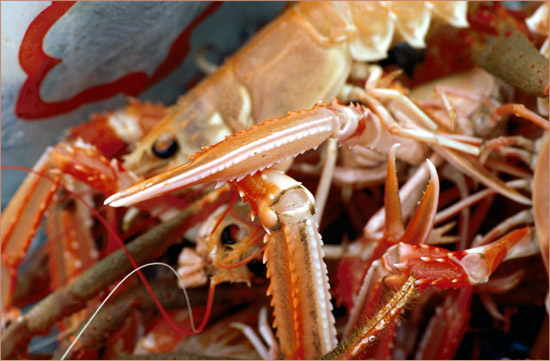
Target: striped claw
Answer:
[[294, 258], [255, 149]]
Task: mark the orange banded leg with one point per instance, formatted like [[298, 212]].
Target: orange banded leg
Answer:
[[21, 219]]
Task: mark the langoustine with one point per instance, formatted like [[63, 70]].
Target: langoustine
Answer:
[[268, 117]]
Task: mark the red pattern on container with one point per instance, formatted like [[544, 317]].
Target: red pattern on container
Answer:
[[37, 64]]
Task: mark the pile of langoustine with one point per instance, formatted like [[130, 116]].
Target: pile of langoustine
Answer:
[[451, 263]]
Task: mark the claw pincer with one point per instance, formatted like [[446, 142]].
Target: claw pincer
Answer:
[[257, 148], [434, 266]]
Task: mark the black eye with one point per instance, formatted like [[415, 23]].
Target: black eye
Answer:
[[257, 267], [227, 234], [165, 146]]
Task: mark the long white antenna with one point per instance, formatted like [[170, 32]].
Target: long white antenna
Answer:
[[117, 286]]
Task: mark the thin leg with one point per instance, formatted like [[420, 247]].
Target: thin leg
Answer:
[[323, 189]]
